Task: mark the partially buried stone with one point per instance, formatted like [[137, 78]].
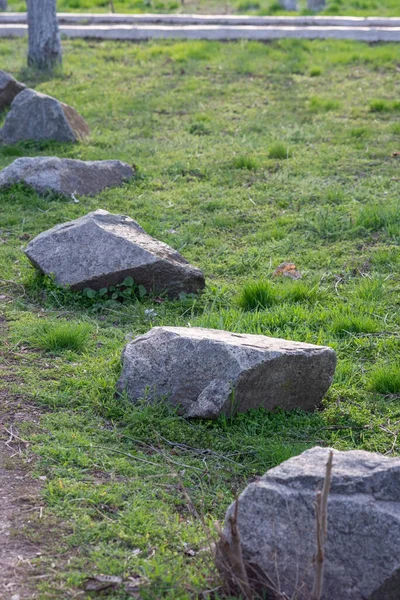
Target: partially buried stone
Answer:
[[276, 523], [9, 88], [207, 373], [66, 176], [35, 116], [100, 250]]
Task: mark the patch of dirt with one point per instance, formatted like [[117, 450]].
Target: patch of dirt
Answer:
[[21, 505], [20, 499]]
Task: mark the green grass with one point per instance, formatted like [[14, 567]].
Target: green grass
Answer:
[[245, 162], [279, 151], [115, 473], [354, 324], [257, 295], [262, 7], [384, 106], [386, 379], [315, 71], [56, 337]]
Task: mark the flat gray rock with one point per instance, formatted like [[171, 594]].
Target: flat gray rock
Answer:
[[66, 176], [35, 116], [101, 249], [276, 523], [9, 88], [208, 373]]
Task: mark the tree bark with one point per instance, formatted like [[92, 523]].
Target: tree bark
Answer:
[[316, 5], [44, 36], [3, 5], [288, 4]]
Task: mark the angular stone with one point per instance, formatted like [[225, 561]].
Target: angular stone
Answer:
[[276, 522], [35, 116], [207, 372], [9, 88], [101, 249], [66, 176]]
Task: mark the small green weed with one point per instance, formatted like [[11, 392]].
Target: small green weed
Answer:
[[385, 379], [199, 129], [127, 290]]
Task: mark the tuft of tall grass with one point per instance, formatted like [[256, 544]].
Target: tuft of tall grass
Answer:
[[385, 379], [257, 295], [380, 105], [63, 335], [386, 217], [315, 71], [245, 162], [370, 289], [279, 151], [354, 324], [323, 105], [298, 291]]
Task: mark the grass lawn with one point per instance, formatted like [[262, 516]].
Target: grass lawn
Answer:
[[384, 8], [248, 155]]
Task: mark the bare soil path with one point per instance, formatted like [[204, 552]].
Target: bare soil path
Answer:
[[21, 507]]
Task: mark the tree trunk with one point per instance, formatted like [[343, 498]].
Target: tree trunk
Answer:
[[316, 5], [3, 5], [44, 36], [288, 4]]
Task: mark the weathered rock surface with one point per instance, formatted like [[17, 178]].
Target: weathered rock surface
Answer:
[[66, 176], [35, 116], [101, 249], [9, 88], [276, 523], [208, 372]]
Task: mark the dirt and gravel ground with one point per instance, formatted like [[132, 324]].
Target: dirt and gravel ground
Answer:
[[21, 506]]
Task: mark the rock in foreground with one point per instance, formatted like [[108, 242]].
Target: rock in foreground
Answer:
[[9, 88], [66, 176], [101, 249], [208, 373], [276, 523], [35, 116]]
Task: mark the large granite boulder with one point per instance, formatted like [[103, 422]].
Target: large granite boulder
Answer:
[[66, 176], [35, 116], [276, 522], [208, 373], [101, 249], [9, 88]]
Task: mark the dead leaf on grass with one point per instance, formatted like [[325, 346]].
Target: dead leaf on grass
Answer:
[[287, 269]]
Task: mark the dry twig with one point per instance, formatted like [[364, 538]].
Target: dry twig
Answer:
[[231, 557], [321, 518]]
